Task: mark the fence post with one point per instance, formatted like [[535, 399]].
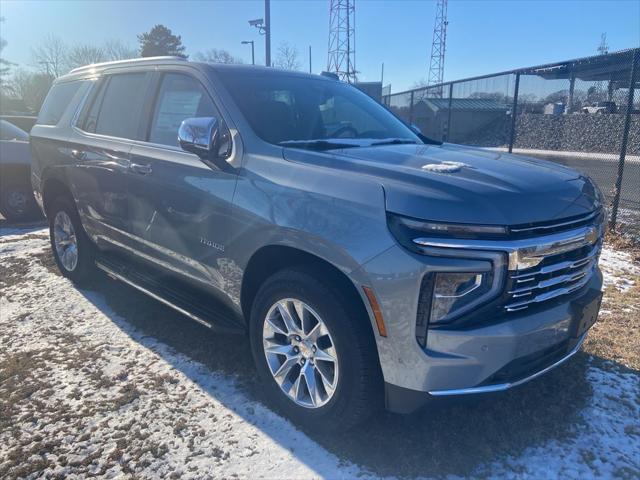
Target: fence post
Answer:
[[411, 108], [514, 112], [625, 140], [445, 134]]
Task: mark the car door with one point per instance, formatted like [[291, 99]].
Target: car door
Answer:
[[100, 145], [178, 205]]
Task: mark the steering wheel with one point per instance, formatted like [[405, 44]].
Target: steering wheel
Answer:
[[345, 129]]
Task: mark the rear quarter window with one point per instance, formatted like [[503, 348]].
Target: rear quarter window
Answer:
[[57, 102]]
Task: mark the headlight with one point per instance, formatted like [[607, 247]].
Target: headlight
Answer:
[[447, 295], [452, 292], [405, 230]]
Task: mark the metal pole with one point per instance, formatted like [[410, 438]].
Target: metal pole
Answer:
[[445, 134], [309, 58], [572, 87], [625, 139], [382, 76], [411, 109], [267, 31], [253, 55], [514, 112]]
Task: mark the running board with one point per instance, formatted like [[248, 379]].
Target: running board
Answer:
[[203, 310]]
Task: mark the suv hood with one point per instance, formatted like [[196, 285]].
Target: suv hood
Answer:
[[454, 183]]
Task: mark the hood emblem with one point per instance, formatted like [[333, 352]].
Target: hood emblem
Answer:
[[444, 167]]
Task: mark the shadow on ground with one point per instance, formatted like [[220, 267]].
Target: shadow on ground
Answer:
[[452, 437]]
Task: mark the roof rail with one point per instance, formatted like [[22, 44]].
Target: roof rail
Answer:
[[123, 62]]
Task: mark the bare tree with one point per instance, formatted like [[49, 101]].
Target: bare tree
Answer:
[[31, 87], [117, 50], [81, 55], [216, 55], [287, 57], [5, 68], [51, 56]]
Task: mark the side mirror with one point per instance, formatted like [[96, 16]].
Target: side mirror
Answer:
[[207, 138]]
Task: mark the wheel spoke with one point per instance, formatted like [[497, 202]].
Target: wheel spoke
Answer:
[[326, 382], [325, 356], [276, 327], [289, 323], [310, 379], [283, 372]]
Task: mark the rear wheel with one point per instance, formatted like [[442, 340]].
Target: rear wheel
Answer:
[[72, 249], [17, 202], [317, 359]]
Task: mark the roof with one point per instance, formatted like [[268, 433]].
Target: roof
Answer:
[[484, 104], [218, 67]]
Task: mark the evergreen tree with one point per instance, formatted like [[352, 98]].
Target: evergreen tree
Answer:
[[160, 41]]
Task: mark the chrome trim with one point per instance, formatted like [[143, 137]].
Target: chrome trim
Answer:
[[505, 386], [122, 278], [523, 253]]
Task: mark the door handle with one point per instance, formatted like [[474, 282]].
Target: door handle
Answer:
[[140, 168]]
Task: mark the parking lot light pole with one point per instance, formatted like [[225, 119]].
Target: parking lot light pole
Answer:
[[253, 57]]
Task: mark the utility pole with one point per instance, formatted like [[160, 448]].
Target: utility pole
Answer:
[[267, 26], [438, 47]]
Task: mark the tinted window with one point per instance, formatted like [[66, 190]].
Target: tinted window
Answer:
[[8, 131], [283, 108], [180, 97], [57, 102], [89, 117], [121, 107]]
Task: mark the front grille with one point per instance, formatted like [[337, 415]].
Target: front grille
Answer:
[[554, 276], [554, 226]]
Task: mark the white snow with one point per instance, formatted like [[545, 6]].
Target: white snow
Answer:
[[197, 423], [618, 269]]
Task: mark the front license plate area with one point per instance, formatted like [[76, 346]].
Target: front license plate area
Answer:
[[585, 311]]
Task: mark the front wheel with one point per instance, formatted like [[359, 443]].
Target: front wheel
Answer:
[[316, 357], [72, 249]]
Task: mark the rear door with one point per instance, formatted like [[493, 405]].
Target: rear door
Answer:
[[179, 206], [100, 145]]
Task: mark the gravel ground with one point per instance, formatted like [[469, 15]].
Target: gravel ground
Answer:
[[107, 382]]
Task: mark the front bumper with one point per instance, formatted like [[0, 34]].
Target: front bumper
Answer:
[[484, 357]]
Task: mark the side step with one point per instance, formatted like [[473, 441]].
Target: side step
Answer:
[[196, 305]]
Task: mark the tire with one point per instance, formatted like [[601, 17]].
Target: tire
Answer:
[[64, 213], [358, 388], [17, 203]]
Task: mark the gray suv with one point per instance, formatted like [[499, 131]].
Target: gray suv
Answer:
[[368, 264]]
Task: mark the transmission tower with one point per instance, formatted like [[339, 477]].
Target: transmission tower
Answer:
[[438, 47], [342, 39]]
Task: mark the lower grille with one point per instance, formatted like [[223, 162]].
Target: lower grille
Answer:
[[553, 277]]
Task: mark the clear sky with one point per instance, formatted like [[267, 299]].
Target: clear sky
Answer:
[[482, 37]]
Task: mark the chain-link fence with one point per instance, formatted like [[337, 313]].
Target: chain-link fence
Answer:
[[584, 113]]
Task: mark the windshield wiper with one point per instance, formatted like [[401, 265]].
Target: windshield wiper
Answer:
[[394, 141], [317, 144]]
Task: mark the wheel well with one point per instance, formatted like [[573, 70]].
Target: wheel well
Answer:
[[269, 260], [54, 188]]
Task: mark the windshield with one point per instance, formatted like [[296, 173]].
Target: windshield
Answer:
[[306, 112]]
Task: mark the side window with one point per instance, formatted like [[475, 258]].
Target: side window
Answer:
[[180, 97], [57, 101], [89, 117], [120, 109]]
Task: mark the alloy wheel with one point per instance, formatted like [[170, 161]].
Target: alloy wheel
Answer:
[[65, 241], [300, 353]]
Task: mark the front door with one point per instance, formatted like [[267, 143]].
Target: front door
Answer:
[[179, 207]]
